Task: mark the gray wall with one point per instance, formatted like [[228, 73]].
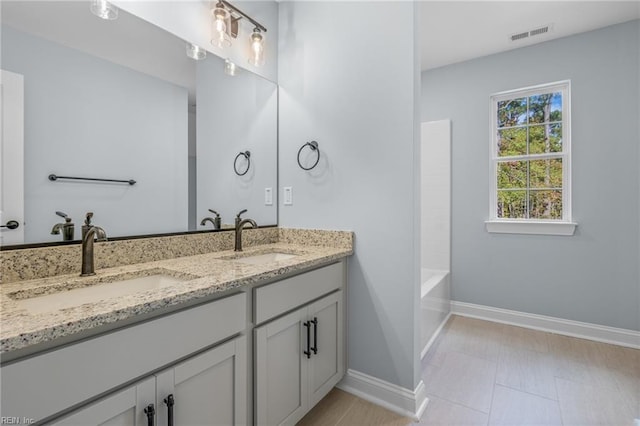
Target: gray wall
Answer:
[[335, 89], [593, 275], [88, 117]]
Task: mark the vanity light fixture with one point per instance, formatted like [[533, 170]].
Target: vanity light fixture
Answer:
[[225, 26], [220, 30], [103, 9], [230, 68], [256, 52], [196, 52]]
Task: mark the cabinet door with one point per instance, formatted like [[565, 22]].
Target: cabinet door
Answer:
[[122, 408], [326, 366], [280, 370], [208, 389]]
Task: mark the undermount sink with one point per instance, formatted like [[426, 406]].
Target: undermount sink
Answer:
[[259, 259], [90, 292]]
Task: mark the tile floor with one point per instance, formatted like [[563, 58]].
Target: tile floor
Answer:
[[483, 373]]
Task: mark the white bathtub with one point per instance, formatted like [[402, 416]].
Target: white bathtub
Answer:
[[435, 305]]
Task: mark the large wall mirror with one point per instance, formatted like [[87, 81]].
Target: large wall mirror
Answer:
[[121, 100]]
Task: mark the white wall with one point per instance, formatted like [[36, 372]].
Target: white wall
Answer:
[[592, 276], [436, 195], [235, 114], [144, 138], [354, 91], [191, 21]]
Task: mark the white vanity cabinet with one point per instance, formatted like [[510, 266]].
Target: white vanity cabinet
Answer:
[[299, 357], [207, 389], [122, 408], [264, 355], [44, 385]]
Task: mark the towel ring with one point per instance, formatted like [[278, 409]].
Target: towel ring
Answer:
[[246, 155], [314, 147]]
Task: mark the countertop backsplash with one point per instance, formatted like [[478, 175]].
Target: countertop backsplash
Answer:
[[43, 262]]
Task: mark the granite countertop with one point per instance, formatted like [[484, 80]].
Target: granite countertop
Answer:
[[198, 277]]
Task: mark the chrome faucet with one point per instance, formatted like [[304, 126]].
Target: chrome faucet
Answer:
[[217, 222], [239, 225], [67, 227], [92, 232]]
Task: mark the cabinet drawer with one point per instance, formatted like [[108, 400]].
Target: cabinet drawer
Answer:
[[45, 384], [282, 296]]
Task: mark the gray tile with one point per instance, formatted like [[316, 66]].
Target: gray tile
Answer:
[[462, 379], [512, 407], [528, 371], [584, 405], [441, 412]]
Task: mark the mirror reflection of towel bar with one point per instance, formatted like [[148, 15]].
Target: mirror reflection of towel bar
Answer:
[[246, 155], [53, 178], [314, 148]]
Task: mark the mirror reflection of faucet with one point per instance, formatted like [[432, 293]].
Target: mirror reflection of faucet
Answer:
[[67, 227], [217, 222]]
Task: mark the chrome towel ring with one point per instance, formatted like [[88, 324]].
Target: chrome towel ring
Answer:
[[314, 147], [246, 155]]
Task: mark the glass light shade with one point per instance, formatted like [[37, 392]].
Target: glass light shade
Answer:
[[219, 36], [103, 9], [196, 52], [256, 52], [230, 68]]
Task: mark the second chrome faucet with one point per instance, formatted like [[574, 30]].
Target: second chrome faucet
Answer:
[[240, 223], [90, 233]]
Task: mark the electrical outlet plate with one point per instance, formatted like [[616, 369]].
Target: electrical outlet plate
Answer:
[[288, 196], [268, 196]]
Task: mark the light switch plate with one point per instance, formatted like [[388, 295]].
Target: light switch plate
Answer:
[[268, 196], [288, 196]]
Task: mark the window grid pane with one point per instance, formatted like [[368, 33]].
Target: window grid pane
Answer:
[[530, 189], [530, 154]]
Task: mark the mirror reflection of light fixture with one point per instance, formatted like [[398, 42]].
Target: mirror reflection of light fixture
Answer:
[[103, 9], [230, 68], [196, 52], [220, 32], [256, 53], [225, 26]]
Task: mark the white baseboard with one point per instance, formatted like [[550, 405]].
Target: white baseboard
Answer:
[[395, 398], [599, 333], [435, 336]]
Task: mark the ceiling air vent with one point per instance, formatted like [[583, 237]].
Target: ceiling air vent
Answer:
[[532, 33], [520, 36], [539, 31]]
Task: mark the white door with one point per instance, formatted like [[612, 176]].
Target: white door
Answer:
[[281, 380], [208, 389], [12, 157], [326, 366], [122, 408]]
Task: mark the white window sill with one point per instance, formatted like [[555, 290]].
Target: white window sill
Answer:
[[530, 227]]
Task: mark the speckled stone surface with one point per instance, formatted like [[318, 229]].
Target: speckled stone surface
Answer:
[[202, 275], [28, 264], [316, 237]]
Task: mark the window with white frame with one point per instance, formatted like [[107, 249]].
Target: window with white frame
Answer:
[[530, 154]]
